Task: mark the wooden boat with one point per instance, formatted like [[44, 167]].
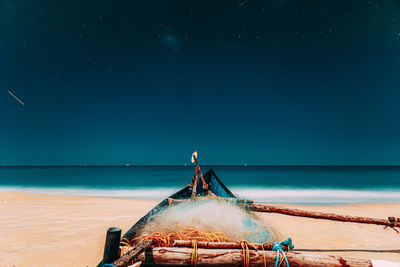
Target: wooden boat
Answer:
[[209, 253], [215, 185]]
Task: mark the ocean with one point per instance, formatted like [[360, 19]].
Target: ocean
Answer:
[[313, 185]]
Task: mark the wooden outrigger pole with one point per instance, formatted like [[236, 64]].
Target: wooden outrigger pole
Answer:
[[391, 222], [167, 256]]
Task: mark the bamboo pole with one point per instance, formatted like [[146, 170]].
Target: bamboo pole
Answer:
[[166, 256], [222, 245], [131, 255]]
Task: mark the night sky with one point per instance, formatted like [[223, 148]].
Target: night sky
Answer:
[[149, 82]]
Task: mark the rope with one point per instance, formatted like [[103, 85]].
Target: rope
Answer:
[[241, 202], [193, 260], [246, 205], [108, 265], [246, 253], [211, 194], [180, 232], [395, 223], [278, 247], [126, 242], [264, 256]]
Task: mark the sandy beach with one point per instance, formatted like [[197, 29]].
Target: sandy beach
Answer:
[[53, 230]]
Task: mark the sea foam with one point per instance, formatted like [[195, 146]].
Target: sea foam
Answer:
[[258, 194]]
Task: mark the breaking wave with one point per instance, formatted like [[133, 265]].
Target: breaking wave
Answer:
[[313, 196]]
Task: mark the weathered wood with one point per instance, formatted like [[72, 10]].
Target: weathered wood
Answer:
[[194, 187], [320, 215], [131, 255], [222, 245], [259, 207], [234, 257]]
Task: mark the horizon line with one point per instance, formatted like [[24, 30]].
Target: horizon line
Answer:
[[189, 165]]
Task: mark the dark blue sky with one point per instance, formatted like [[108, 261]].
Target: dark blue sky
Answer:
[[148, 82]]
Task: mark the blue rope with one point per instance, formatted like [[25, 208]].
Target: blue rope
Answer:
[[278, 247], [246, 204], [108, 265]]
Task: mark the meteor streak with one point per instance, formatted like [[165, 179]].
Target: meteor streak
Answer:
[[22, 103]]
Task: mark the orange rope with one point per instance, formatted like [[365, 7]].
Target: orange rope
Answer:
[[162, 239], [126, 241], [264, 256], [281, 258], [126, 244], [185, 233], [245, 252], [193, 260]]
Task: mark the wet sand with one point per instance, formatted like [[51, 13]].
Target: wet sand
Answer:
[[50, 230]]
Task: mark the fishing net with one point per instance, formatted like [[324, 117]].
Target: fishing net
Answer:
[[210, 220]]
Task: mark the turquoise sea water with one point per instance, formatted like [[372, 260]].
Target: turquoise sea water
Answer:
[[277, 184]]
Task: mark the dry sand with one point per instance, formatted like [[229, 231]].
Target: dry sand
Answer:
[[48, 230]]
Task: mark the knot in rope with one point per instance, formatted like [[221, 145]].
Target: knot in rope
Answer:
[[193, 260], [278, 247]]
